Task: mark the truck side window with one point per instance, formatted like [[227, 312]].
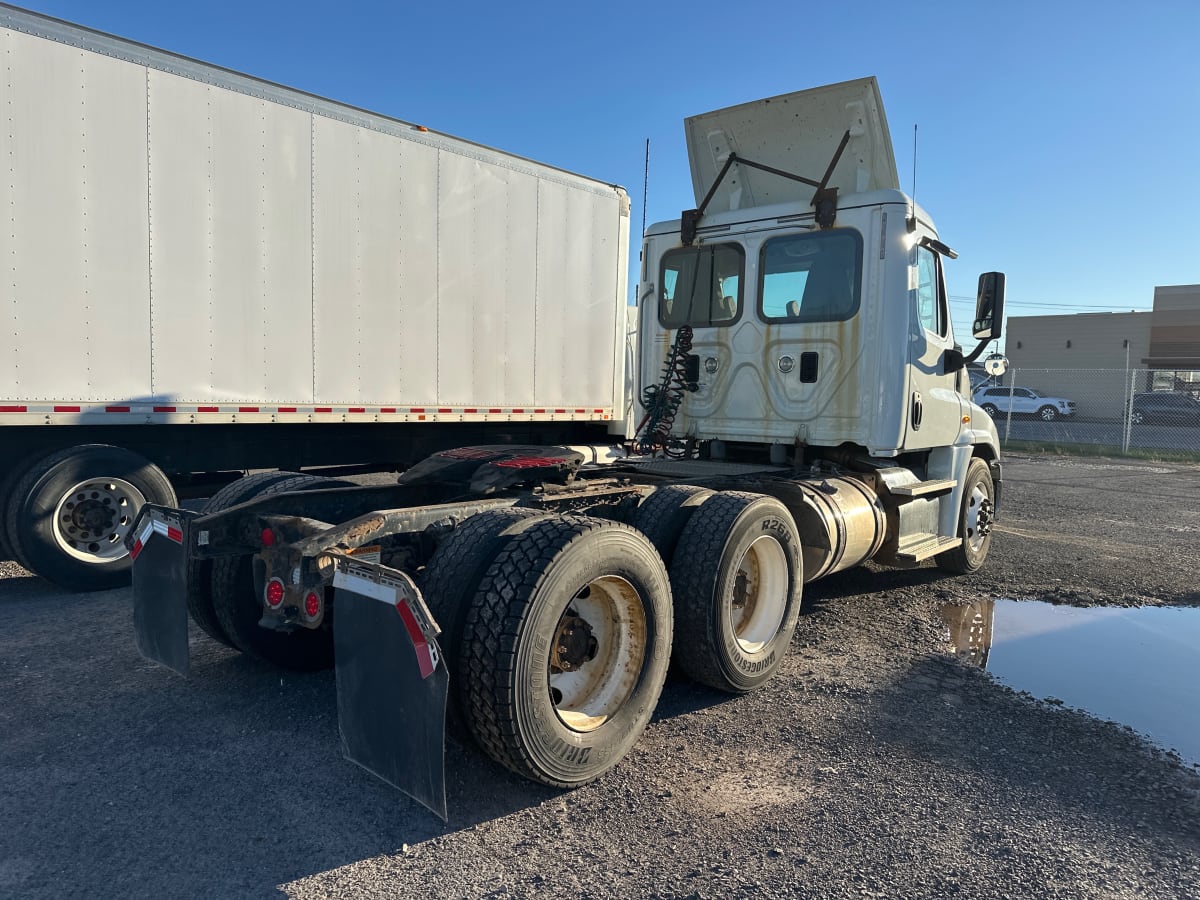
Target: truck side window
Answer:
[[929, 293], [701, 286], [811, 277]]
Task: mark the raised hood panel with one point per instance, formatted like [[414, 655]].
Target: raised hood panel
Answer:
[[797, 133]]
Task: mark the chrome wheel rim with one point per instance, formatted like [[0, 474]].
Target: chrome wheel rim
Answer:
[[979, 517], [93, 518]]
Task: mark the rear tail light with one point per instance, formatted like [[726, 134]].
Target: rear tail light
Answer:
[[274, 593], [312, 604]]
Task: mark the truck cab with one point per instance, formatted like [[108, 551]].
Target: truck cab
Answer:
[[818, 311]]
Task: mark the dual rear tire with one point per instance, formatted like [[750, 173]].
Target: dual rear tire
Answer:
[[559, 633]]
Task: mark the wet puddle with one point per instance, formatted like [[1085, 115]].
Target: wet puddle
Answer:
[[1139, 667]]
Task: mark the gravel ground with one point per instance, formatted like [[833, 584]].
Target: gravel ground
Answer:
[[875, 764]]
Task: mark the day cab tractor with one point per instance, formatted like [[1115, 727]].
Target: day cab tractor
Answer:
[[804, 408]]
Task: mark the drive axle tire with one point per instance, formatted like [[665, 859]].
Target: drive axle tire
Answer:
[[452, 577], [737, 578], [565, 649], [239, 608], [974, 522], [662, 516], [200, 596], [68, 515]]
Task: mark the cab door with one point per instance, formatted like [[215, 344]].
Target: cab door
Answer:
[[934, 406]]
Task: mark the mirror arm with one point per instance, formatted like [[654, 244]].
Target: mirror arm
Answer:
[[975, 353]]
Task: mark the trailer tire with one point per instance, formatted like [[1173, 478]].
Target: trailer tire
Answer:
[[736, 537], [662, 516], [974, 522], [570, 591], [7, 485], [452, 577], [239, 609], [52, 530], [200, 595]]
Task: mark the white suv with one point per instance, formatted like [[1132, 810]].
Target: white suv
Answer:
[[1025, 402]]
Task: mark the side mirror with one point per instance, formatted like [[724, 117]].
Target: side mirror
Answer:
[[989, 307]]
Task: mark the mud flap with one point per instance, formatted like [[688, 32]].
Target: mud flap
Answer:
[[160, 616], [391, 680]]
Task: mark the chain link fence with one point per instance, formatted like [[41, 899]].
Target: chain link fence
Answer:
[[1120, 410]]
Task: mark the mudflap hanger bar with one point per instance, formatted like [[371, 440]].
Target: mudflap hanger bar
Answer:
[[824, 199], [392, 681], [158, 545]]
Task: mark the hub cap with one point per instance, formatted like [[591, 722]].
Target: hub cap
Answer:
[[93, 518]]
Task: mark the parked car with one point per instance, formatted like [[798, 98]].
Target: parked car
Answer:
[[1025, 402], [1165, 408]]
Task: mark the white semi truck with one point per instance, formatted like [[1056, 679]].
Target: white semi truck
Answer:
[[803, 408], [206, 272]]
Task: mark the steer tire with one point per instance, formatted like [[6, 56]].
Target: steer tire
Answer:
[[200, 596], [568, 727], [662, 516], [974, 516], [720, 642], [239, 608], [451, 578], [39, 507]]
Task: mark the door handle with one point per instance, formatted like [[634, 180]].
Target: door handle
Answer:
[[918, 410]]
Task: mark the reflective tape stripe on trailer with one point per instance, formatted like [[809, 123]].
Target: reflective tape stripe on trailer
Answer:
[[207, 412]]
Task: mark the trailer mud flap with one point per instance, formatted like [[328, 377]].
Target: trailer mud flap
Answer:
[[160, 616], [391, 681]]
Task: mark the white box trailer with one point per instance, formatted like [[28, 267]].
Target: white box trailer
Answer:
[[206, 271]]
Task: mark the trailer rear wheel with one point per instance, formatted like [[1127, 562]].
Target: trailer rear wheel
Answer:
[[239, 608], [68, 515], [662, 516], [200, 596], [566, 648], [737, 577], [452, 577], [974, 522]]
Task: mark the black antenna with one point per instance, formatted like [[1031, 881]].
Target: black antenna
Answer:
[[645, 186], [912, 219]]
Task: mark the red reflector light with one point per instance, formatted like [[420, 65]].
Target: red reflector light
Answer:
[[268, 538], [274, 592], [312, 604]]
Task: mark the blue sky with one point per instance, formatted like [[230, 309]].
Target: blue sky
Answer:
[[1059, 141]]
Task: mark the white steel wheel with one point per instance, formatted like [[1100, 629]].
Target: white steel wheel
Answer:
[[760, 594], [736, 579], [93, 518], [565, 648], [598, 652]]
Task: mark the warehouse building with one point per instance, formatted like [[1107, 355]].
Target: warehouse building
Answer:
[[1095, 359]]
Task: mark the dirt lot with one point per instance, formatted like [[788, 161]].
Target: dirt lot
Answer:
[[876, 764]]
